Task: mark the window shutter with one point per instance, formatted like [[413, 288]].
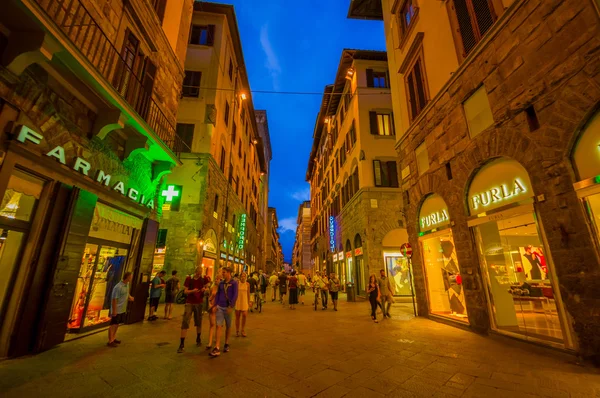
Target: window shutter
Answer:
[[393, 127], [484, 15], [393, 174], [412, 95], [377, 172], [373, 123], [211, 35], [160, 9], [420, 85], [370, 82], [465, 25]]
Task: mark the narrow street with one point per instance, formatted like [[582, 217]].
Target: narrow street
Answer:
[[302, 353]]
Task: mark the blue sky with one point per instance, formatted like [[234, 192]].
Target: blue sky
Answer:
[[295, 46]]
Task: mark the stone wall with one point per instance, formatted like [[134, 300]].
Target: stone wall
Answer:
[[545, 55]]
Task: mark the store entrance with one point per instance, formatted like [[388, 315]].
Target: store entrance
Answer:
[[514, 264]]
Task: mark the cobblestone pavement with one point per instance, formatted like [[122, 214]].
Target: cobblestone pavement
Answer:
[[302, 353]]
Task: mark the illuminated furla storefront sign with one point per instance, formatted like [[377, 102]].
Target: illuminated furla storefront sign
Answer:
[[82, 166], [500, 193], [332, 233], [434, 219]]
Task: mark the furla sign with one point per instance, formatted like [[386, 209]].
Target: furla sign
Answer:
[[80, 165], [500, 193]]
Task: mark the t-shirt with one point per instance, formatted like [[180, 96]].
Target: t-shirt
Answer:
[[273, 280], [383, 286], [325, 282], [293, 282], [172, 283], [156, 291], [121, 293], [253, 284], [301, 280], [334, 285], [282, 280], [191, 284]]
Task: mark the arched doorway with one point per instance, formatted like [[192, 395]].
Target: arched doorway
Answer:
[[522, 291]]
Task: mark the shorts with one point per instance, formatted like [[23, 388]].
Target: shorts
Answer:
[[119, 319], [334, 295], [196, 310], [263, 289], [283, 290], [170, 297], [302, 290], [223, 316], [154, 302]]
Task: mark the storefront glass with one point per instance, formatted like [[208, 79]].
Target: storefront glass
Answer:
[[399, 272], [444, 283], [10, 246], [515, 266]]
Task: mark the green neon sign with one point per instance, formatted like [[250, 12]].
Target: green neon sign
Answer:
[[171, 192], [242, 232]]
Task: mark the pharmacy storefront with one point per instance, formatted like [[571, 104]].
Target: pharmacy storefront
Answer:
[[521, 286], [445, 292]]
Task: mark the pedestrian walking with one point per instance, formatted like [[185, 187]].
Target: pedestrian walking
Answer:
[[309, 278], [194, 290], [324, 289], [273, 280], [334, 288], [242, 304], [302, 281], [263, 280], [282, 287], [374, 296], [253, 282], [293, 290], [386, 291], [212, 309], [118, 308], [171, 290], [156, 288], [225, 300]]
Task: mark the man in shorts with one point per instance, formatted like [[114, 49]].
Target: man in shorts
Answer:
[[118, 308], [156, 289], [225, 299], [171, 290], [194, 287], [302, 286]]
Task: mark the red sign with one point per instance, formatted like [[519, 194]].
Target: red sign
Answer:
[[358, 251], [348, 254], [406, 249]]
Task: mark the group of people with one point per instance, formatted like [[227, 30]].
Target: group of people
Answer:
[[295, 284]]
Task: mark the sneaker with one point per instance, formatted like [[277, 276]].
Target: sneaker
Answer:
[[215, 352], [180, 349], [113, 344], [208, 347], [226, 348], [117, 341]]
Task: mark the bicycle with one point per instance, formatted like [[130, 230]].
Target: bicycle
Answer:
[[317, 301]]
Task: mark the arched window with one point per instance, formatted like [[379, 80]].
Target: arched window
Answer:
[[357, 241]]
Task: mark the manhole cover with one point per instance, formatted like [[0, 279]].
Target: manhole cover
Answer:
[[161, 344]]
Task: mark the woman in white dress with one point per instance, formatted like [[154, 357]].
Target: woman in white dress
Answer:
[[242, 305]]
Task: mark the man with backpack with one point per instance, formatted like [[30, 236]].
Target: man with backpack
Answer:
[[194, 287], [263, 283], [171, 290]]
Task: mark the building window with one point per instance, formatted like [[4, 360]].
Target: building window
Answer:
[[416, 88], [231, 70], [377, 79], [202, 35], [222, 161], [406, 17], [226, 116], [186, 132], [191, 84], [474, 19], [159, 7], [478, 112], [216, 204], [386, 174], [422, 158], [381, 123], [234, 132], [240, 149]]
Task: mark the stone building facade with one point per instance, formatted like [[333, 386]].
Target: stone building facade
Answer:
[[499, 170], [301, 255], [88, 98]]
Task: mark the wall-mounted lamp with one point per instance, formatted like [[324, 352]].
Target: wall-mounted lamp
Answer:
[[243, 96], [349, 73], [327, 120], [255, 141]]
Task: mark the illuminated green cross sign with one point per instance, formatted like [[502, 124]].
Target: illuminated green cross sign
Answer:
[[170, 193]]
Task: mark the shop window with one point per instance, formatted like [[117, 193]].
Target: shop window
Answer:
[[202, 35], [444, 282], [478, 112], [191, 84], [422, 156], [515, 265], [185, 131], [473, 19], [385, 173]]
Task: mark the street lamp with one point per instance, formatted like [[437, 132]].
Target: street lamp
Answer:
[[200, 244]]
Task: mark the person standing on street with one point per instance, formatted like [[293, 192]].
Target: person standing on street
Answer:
[[374, 296], [212, 309], [273, 283], [324, 288], [194, 290], [282, 287], [334, 288], [118, 308], [242, 304], [225, 300], [253, 282], [171, 290], [386, 292], [293, 288], [301, 286], [157, 286], [263, 281]]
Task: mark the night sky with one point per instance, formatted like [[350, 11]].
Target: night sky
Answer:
[[295, 46]]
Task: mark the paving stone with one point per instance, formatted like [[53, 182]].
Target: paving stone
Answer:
[[336, 391]]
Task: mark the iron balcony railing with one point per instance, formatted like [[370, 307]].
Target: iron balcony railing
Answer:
[[75, 21]]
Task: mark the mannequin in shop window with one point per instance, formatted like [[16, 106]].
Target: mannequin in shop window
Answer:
[[538, 262], [452, 278]]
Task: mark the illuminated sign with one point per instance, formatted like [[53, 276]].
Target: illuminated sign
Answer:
[[434, 219], [224, 256], [172, 196], [348, 254], [332, 233], [82, 166], [358, 251], [242, 232], [498, 194], [335, 257]]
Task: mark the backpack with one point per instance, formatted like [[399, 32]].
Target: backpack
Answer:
[[263, 280]]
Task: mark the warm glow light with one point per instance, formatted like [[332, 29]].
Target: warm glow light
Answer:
[[243, 96], [350, 73], [255, 141], [327, 120]]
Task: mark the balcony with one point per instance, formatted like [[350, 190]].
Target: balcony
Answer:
[[130, 80]]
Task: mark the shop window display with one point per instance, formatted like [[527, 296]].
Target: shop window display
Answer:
[[514, 263], [444, 282], [399, 272]]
